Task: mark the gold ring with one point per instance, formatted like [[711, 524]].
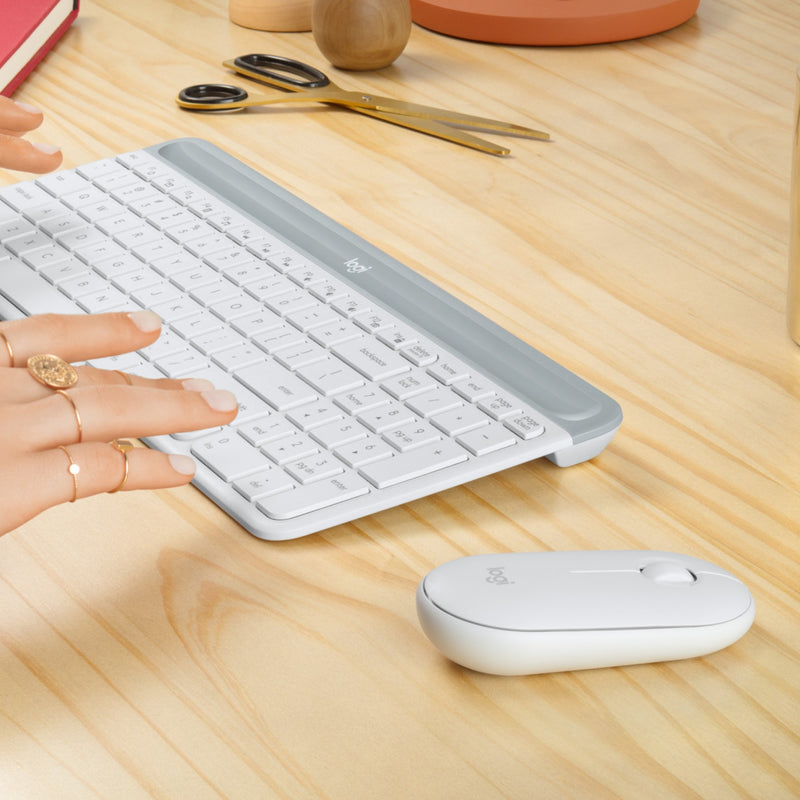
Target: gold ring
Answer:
[[123, 446], [76, 412], [73, 470], [9, 349], [52, 371], [125, 376]]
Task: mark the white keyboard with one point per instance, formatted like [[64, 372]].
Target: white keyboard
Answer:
[[361, 385]]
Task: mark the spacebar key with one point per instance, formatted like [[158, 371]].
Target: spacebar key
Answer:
[[414, 463], [30, 293], [313, 497]]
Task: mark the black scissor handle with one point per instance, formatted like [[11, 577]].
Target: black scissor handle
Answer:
[[281, 70], [212, 93]]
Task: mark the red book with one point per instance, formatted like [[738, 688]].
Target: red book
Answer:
[[28, 30]]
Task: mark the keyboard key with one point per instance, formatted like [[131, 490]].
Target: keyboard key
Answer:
[[487, 439], [228, 454], [329, 290], [290, 303], [15, 226], [404, 386], [198, 275], [363, 399], [306, 274], [350, 306], [61, 271], [61, 183], [364, 451], [24, 195], [315, 468], [312, 415], [263, 429], [473, 389], [433, 402], [256, 322], [373, 321], [335, 332], [207, 333], [241, 355], [313, 317], [409, 437], [371, 358], [220, 291], [448, 370], [338, 433], [420, 354], [524, 425], [386, 417], [413, 464], [28, 242], [236, 305], [460, 420], [278, 336], [398, 337], [500, 405], [277, 385], [315, 496], [330, 377], [268, 480], [290, 448], [184, 363], [301, 354]]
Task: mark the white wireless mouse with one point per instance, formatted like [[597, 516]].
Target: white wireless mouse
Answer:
[[527, 613]]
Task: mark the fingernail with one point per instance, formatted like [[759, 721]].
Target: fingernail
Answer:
[[185, 465], [197, 385], [49, 149], [28, 107], [145, 321], [221, 400]]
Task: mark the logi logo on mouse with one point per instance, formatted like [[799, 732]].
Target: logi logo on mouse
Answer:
[[497, 576]]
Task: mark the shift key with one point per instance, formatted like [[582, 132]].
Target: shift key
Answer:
[[414, 463]]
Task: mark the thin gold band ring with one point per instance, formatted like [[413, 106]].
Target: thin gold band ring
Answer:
[[75, 411], [9, 349], [123, 446], [73, 470]]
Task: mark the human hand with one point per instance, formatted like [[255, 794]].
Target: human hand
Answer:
[[43, 432], [16, 152]]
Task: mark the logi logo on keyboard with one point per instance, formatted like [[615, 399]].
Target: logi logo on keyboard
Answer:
[[354, 266]]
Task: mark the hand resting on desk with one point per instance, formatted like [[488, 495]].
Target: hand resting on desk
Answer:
[[60, 444]]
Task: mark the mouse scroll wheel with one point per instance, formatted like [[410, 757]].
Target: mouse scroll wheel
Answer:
[[668, 572]]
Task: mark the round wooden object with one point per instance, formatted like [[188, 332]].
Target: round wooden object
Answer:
[[271, 15], [361, 34]]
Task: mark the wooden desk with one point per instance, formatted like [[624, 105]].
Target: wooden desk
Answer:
[[151, 648]]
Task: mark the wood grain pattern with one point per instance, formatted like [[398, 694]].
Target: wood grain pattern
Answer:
[[149, 648]]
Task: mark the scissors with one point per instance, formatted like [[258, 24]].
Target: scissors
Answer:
[[311, 85]]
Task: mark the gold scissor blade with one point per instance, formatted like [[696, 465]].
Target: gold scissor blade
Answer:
[[387, 105], [434, 128]]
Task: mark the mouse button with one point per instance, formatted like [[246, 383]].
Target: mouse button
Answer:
[[505, 591], [668, 572], [710, 599]]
